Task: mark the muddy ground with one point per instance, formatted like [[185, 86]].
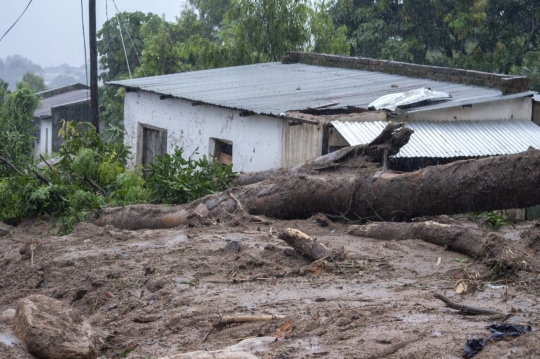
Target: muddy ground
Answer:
[[152, 293]]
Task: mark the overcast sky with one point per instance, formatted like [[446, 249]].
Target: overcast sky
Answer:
[[50, 32]]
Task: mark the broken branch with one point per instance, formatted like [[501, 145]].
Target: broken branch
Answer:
[[304, 243], [12, 166], [233, 319], [239, 206], [21, 173], [97, 187], [465, 308]]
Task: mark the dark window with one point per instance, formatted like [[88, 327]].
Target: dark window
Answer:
[[223, 151]]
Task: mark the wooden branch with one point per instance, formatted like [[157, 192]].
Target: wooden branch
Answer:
[[12, 166], [462, 239], [236, 202], [20, 173], [304, 243], [41, 177], [97, 187], [465, 308], [232, 319], [44, 161]]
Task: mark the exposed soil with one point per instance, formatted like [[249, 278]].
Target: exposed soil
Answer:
[[152, 293]]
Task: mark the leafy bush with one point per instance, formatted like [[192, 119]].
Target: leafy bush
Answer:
[[173, 179], [492, 219], [91, 176]]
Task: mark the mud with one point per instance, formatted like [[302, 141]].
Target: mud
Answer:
[[153, 293]]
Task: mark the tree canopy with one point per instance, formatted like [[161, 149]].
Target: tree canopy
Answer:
[[16, 121], [33, 82], [487, 35]]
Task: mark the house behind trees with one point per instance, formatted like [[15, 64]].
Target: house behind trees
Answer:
[[281, 114], [70, 103]]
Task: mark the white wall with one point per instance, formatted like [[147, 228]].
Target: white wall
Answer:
[[256, 139], [46, 129], [512, 109]]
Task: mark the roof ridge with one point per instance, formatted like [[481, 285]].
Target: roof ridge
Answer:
[[507, 84]]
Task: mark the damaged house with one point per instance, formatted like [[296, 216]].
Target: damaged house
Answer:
[[281, 114], [70, 103]]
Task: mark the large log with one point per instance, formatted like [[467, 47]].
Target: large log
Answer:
[[354, 182], [462, 239]]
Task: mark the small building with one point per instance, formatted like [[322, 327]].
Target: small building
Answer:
[[281, 114], [70, 103]]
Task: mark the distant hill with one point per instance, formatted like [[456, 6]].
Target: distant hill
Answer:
[[14, 67], [63, 75]]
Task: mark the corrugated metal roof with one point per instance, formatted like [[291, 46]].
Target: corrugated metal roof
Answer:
[[452, 139], [48, 103], [275, 88]]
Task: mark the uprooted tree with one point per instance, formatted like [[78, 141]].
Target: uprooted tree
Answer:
[[354, 182]]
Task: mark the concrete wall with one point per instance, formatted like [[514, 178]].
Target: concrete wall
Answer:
[[44, 145], [77, 112], [256, 139], [511, 109], [536, 112]]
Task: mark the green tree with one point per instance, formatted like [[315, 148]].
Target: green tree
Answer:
[[264, 30], [111, 51], [168, 46], [211, 14], [16, 123], [3, 92], [327, 37], [111, 111], [33, 82], [487, 35], [113, 62]]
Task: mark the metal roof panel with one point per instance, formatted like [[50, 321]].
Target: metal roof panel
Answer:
[[46, 104], [275, 88], [452, 139]]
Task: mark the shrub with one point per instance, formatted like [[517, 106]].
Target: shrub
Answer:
[[91, 176], [174, 179]]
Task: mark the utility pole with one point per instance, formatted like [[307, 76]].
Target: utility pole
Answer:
[[94, 109]]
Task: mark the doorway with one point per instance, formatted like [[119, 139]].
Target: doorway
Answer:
[[154, 143]]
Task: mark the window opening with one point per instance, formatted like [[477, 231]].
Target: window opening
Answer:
[[222, 151]]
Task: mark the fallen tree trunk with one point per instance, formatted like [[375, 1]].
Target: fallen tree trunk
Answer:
[[353, 182], [466, 240], [485, 246]]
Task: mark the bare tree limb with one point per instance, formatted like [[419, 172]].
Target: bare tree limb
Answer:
[[465, 308]]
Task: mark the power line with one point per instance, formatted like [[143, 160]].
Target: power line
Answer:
[[84, 42], [123, 45], [130, 39], [16, 21]]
